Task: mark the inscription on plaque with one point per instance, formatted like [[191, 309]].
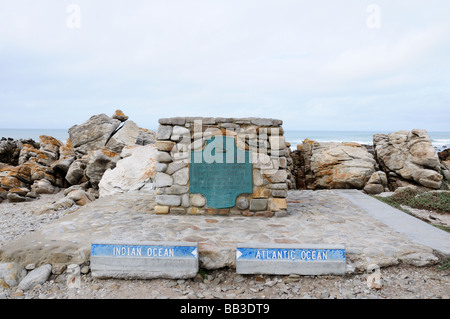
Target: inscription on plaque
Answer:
[[220, 172]]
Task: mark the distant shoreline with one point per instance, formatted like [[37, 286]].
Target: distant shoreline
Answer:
[[440, 140]]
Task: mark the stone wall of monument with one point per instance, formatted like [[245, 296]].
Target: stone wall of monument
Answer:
[[265, 175]]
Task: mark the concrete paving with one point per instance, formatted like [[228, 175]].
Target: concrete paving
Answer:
[[334, 217], [417, 230]]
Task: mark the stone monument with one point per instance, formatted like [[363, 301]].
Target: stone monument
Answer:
[[221, 166]]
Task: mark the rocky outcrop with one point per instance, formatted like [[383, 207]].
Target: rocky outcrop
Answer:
[[333, 165], [34, 173], [408, 157], [10, 149], [93, 147], [92, 134]]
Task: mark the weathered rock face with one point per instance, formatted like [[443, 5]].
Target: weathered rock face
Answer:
[[98, 162], [134, 171], [334, 165], [408, 157], [93, 134], [34, 168], [10, 149], [127, 134]]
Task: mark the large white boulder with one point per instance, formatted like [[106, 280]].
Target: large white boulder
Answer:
[[135, 171]]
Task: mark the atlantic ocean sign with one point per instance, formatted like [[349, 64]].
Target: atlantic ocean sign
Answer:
[[144, 259], [290, 259]]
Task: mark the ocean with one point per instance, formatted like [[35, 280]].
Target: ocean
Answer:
[[440, 140]]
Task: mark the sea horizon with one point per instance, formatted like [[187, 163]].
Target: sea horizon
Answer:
[[439, 139]]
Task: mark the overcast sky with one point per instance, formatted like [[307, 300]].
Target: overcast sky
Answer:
[[337, 65]]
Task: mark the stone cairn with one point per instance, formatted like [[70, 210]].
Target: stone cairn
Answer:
[[177, 137]]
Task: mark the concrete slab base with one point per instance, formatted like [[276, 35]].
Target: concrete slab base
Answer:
[[290, 259], [144, 260]]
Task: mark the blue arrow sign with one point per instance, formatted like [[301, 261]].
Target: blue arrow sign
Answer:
[[144, 251]]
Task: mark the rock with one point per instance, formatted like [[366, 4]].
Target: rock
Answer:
[[10, 149], [30, 267], [257, 204], [9, 182], [197, 200], [163, 180], [92, 134], [16, 198], [277, 142], [119, 115], [43, 186], [126, 135], [177, 190], [242, 203], [374, 189], [19, 191], [163, 157], [73, 279], [66, 158], [278, 176], [63, 203], [62, 165], [168, 200], [444, 155], [11, 273], [164, 132], [76, 171], [136, 169], [165, 145], [377, 183], [161, 167], [80, 197], [161, 209], [50, 147], [277, 204], [175, 166], [35, 277], [279, 193], [145, 137], [374, 277], [408, 156], [333, 165], [179, 132], [181, 177], [98, 162], [3, 193]]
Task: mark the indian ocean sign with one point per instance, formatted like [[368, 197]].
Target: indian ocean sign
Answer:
[[144, 259], [144, 251], [290, 259]]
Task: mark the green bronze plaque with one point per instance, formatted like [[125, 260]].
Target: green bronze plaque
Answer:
[[220, 172]]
